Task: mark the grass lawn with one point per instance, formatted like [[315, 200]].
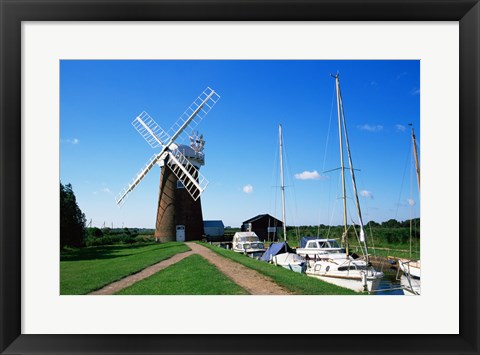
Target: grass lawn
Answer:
[[191, 276], [87, 269], [295, 282]]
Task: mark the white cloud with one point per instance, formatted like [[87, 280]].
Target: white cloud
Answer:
[[400, 128], [107, 190], [415, 91], [72, 141], [308, 175], [366, 193], [248, 189], [410, 202], [370, 128]]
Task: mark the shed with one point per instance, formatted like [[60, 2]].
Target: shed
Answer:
[[264, 225], [213, 229]]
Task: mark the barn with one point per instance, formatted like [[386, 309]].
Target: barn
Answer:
[[213, 229], [265, 226]]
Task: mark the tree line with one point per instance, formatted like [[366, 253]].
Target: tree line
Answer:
[[74, 233]]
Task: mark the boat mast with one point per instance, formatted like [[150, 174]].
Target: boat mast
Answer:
[[342, 164], [352, 170], [417, 167], [282, 185]]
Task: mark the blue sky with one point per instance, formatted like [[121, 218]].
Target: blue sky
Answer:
[[100, 151]]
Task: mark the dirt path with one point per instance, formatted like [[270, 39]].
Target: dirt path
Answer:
[[250, 280], [110, 289]]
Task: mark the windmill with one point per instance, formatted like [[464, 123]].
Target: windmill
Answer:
[[179, 213]]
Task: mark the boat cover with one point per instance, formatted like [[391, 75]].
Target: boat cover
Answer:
[[276, 248], [304, 240]]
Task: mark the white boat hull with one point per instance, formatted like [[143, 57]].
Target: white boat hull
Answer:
[[345, 272], [410, 267], [355, 284], [290, 261], [410, 285]]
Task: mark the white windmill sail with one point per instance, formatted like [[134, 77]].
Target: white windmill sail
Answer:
[[192, 180], [155, 136], [150, 130], [193, 115]]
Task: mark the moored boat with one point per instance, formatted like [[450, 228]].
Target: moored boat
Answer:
[[344, 271], [281, 254], [248, 243], [336, 266]]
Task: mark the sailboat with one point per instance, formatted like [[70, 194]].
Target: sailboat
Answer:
[[411, 268], [340, 268], [288, 259]]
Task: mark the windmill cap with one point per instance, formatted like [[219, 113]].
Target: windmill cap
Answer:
[[191, 154]]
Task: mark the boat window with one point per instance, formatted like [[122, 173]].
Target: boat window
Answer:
[[333, 244], [351, 267], [312, 245], [260, 246], [322, 245], [246, 246], [318, 267]]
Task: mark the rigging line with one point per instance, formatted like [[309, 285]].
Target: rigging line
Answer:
[[328, 131], [403, 180], [291, 191], [325, 154], [358, 238], [331, 212], [275, 178], [369, 224], [352, 172], [411, 202]]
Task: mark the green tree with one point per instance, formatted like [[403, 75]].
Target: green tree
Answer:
[[94, 232], [72, 219], [391, 223]]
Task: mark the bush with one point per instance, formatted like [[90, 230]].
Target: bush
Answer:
[[120, 238]]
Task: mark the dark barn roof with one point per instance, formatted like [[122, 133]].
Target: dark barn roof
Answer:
[[261, 216], [264, 225]]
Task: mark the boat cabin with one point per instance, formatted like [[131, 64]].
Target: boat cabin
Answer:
[[322, 244], [315, 247], [247, 243]]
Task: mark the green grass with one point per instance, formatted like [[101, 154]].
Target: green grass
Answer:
[[190, 276], [88, 269], [295, 282], [395, 253]]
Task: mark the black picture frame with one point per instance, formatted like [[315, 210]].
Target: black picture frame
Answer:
[[13, 12]]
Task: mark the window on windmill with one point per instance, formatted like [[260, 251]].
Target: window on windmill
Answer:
[[180, 185]]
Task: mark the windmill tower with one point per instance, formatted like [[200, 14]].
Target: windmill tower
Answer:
[[179, 213]]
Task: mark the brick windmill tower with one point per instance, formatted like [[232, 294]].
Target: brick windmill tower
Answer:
[[179, 213]]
